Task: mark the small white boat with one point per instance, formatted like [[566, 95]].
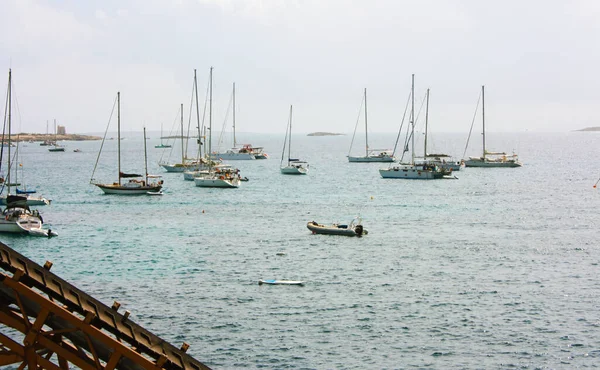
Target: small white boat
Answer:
[[353, 229], [155, 192], [18, 218], [246, 152], [294, 166], [371, 155], [281, 282], [491, 159], [219, 178]]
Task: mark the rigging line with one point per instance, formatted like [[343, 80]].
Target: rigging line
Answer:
[[596, 183], [176, 122], [189, 120], [225, 122], [356, 125], [472, 123], [3, 135], [201, 127], [103, 139], [401, 124], [285, 141]]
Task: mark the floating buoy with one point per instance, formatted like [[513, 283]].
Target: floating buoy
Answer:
[[202, 211]]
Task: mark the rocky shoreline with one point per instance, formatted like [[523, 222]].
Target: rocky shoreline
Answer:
[[52, 137]]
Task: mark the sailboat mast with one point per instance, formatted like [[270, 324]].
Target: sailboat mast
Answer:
[[198, 115], [366, 130], [182, 146], [483, 116], [145, 157], [290, 138], [9, 127], [426, 123], [234, 140], [210, 116], [119, 132], [412, 119]]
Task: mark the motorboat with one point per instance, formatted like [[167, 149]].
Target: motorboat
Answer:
[[355, 228]]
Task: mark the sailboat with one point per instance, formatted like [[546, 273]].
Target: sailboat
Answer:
[[17, 216], [491, 159], [19, 164], [225, 177], [444, 161], [412, 170], [134, 186], [161, 145], [294, 166], [55, 146], [371, 155], [246, 152], [46, 142], [185, 164]]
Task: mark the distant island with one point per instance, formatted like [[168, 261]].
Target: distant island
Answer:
[[324, 134], [590, 129], [52, 137]]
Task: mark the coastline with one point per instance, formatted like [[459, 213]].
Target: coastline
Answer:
[[52, 137]]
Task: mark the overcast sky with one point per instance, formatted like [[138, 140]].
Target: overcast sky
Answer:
[[539, 61]]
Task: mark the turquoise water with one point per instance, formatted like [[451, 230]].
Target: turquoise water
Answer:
[[497, 269]]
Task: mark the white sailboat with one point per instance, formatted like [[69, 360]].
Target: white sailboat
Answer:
[[134, 186], [216, 177], [17, 217], [161, 145], [55, 146], [294, 166], [246, 152], [185, 164], [412, 170], [444, 161], [491, 159], [371, 155]]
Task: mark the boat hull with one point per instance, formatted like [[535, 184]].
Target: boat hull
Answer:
[[410, 172], [294, 170], [116, 189], [31, 201], [215, 182], [316, 228], [379, 159], [181, 167], [477, 162], [234, 156]]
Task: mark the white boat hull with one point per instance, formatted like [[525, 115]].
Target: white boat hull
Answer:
[[410, 172], [116, 189], [366, 159], [294, 170], [20, 221], [216, 182], [480, 162], [181, 167], [31, 201], [233, 156]]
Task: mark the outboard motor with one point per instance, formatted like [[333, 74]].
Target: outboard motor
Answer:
[[358, 230]]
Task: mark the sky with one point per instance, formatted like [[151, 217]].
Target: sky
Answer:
[[538, 59]]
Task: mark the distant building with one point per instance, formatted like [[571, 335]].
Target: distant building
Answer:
[[60, 130]]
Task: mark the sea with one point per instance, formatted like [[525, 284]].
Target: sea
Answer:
[[497, 268]]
